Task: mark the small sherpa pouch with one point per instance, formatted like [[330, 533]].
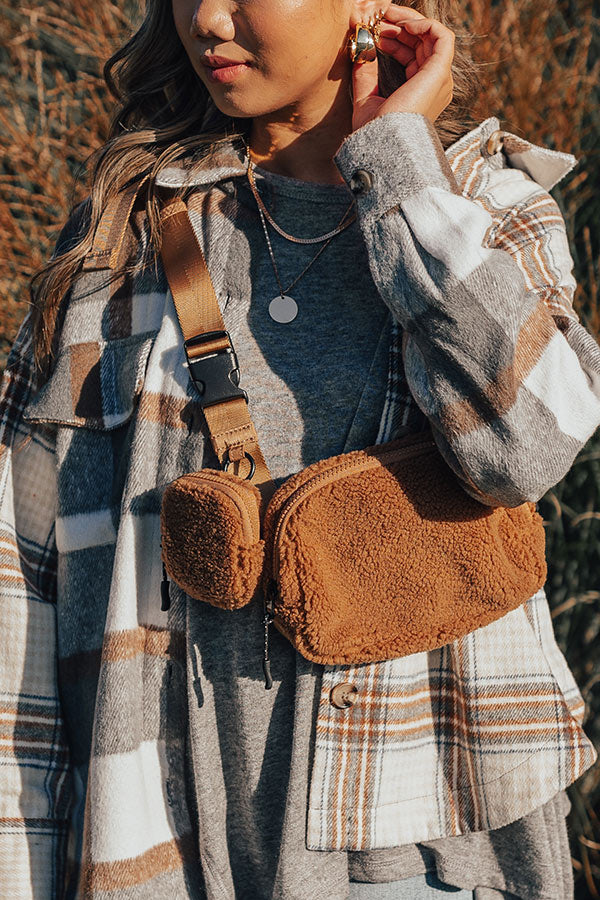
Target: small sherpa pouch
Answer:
[[210, 532]]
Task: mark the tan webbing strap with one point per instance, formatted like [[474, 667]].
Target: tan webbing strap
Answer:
[[110, 233], [231, 428]]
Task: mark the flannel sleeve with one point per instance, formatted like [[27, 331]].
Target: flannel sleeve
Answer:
[[493, 352], [34, 761]]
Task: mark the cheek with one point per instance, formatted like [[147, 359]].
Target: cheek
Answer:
[[291, 32], [299, 49]]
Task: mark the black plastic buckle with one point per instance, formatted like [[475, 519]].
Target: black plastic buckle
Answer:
[[216, 375]]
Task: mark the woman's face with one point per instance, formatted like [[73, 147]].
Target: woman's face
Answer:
[[290, 51]]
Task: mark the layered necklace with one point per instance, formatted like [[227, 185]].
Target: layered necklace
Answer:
[[284, 308]]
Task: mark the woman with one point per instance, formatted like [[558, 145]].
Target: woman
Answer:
[[147, 759]]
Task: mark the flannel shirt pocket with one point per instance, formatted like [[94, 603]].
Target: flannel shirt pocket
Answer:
[[95, 384]]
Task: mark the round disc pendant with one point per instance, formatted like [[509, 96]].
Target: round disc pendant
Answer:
[[283, 309]]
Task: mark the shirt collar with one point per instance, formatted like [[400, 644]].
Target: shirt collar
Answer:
[[544, 165], [226, 161]]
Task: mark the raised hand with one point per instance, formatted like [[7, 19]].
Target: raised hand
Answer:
[[425, 48]]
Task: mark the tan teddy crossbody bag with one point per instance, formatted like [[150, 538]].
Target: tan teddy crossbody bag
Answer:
[[361, 557]]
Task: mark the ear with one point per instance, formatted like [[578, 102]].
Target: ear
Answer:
[[363, 10]]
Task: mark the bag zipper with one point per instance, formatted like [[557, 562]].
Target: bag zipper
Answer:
[[249, 530], [270, 596], [271, 590], [364, 464]]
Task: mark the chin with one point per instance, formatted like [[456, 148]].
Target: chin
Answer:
[[239, 106], [243, 102], [235, 108]]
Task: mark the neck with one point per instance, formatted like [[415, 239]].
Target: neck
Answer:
[[300, 142]]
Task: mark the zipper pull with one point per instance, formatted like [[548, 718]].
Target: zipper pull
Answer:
[[268, 607], [165, 596]]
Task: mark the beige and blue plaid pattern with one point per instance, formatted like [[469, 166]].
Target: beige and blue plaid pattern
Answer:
[[467, 737]]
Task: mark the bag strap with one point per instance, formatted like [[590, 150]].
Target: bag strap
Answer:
[[212, 360]]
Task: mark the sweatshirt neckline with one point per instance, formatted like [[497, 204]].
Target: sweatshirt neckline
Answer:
[[286, 186]]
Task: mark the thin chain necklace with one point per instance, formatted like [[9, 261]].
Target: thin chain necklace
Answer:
[[289, 237], [284, 308]]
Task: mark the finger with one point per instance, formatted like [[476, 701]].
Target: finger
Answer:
[[412, 69], [396, 13], [397, 50], [428, 28], [438, 39], [364, 81], [427, 46], [398, 33]]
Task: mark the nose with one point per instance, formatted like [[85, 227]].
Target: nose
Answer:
[[212, 18]]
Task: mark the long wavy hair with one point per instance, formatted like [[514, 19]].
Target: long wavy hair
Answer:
[[164, 113]]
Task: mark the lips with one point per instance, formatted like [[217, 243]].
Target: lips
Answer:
[[220, 62], [223, 70]]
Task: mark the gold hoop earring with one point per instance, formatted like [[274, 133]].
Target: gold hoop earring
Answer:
[[362, 46]]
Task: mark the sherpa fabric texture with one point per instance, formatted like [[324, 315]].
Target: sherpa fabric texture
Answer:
[[98, 685], [380, 553], [210, 535]]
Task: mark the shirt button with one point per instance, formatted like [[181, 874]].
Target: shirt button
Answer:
[[344, 695], [495, 142], [361, 182]]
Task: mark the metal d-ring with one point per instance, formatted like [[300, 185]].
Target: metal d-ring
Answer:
[[227, 461]]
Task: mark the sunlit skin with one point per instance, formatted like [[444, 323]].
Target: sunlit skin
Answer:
[[298, 84]]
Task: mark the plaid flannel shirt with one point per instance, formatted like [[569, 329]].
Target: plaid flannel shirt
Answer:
[[485, 348]]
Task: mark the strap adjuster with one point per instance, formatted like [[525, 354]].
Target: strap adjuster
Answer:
[[216, 375]]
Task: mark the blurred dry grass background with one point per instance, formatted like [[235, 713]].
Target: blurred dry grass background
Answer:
[[540, 76]]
